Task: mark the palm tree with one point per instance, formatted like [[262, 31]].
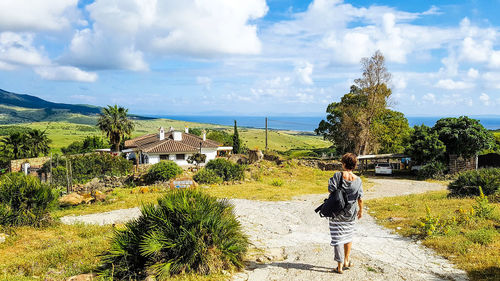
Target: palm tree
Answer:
[[15, 145], [38, 143], [114, 122]]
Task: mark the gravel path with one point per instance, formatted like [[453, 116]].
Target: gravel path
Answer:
[[293, 241]]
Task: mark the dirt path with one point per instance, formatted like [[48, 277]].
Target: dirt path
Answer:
[[293, 241]]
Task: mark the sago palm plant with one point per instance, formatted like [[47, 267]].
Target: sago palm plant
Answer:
[[188, 231]]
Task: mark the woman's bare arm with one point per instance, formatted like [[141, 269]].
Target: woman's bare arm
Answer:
[[360, 204]]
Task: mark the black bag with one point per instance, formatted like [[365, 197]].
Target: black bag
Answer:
[[335, 203]]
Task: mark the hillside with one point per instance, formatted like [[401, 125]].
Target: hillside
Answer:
[[20, 108]]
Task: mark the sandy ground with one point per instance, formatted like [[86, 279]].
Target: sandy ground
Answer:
[[291, 242]]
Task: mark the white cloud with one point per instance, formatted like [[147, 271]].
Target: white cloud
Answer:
[[65, 73], [429, 97], [450, 84], [18, 50], [31, 15], [205, 81], [485, 99], [473, 73], [304, 72], [124, 32]]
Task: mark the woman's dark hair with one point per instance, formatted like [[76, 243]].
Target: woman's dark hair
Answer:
[[349, 160]]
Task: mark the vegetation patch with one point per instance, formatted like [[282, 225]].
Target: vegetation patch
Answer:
[[207, 176], [187, 232], [24, 200], [455, 227], [163, 171], [468, 183], [225, 169]]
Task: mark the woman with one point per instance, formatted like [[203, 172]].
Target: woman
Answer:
[[342, 225]]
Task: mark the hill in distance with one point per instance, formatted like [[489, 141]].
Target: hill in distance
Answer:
[[22, 108]]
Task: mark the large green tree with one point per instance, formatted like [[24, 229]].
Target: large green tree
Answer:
[[355, 123], [114, 122], [424, 145], [15, 145], [236, 139], [463, 136], [392, 131], [38, 142]]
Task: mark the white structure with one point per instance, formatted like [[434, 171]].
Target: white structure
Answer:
[[173, 145]]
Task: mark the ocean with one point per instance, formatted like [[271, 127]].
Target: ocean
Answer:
[[306, 124]]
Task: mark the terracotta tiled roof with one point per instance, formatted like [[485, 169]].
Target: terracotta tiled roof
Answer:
[[151, 143]]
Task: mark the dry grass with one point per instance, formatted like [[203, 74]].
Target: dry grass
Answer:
[[482, 262]]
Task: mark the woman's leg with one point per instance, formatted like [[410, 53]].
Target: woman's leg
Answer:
[[339, 256], [347, 252]]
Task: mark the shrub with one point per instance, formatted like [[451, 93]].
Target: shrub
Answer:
[[86, 167], [207, 176], [483, 208], [432, 170], [163, 171], [483, 236], [187, 232], [468, 183], [277, 182], [24, 200], [226, 169]]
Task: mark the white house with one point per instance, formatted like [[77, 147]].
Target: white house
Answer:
[[172, 145]]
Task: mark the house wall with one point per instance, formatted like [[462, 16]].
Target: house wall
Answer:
[[211, 153], [155, 158]]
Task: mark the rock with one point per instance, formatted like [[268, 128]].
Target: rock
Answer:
[[255, 156], [3, 237], [98, 196], [71, 199], [87, 198], [82, 277]]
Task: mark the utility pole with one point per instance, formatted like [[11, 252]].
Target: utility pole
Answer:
[[266, 133]]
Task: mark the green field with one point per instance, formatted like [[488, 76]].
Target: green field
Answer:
[[64, 133]]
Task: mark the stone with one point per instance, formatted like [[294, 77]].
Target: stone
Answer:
[[255, 156], [3, 237], [98, 196], [83, 277], [71, 199], [87, 198]]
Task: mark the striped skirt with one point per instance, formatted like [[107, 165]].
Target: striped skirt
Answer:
[[341, 231]]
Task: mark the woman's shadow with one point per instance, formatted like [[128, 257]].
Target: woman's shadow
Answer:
[[251, 265]]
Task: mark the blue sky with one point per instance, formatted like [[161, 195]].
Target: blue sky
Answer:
[[243, 57]]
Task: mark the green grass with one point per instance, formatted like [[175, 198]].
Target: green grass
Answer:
[[474, 247]]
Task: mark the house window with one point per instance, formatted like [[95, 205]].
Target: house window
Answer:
[[180, 156], [164, 157]]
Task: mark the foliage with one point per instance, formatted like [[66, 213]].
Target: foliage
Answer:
[[188, 231], [483, 236], [431, 225], [483, 208], [197, 158], [225, 169], [424, 145], [24, 200], [86, 167], [463, 136], [31, 143], [432, 170], [89, 144], [207, 176], [221, 137], [467, 183], [114, 122], [357, 122], [392, 131], [277, 182], [236, 140], [195, 131], [163, 171]]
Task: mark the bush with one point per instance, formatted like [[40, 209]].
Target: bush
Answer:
[[24, 200], [277, 182], [163, 171], [468, 183], [187, 232], [226, 169], [207, 176], [432, 170], [483, 236], [86, 167]]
